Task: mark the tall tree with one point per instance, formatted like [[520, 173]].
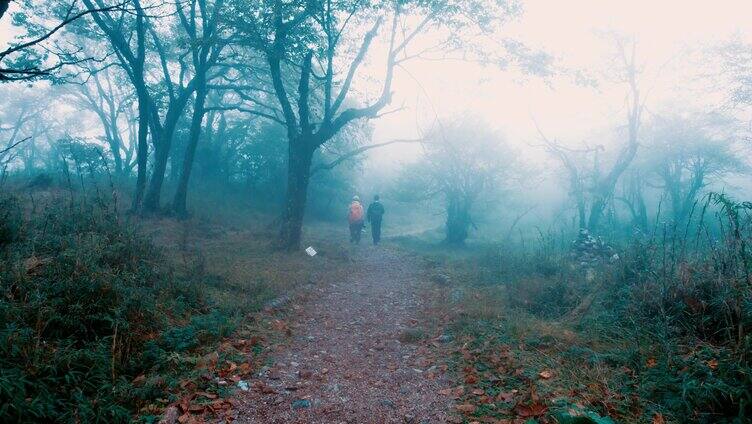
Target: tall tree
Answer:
[[313, 54]]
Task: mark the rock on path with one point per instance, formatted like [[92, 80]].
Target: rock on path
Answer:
[[345, 362]]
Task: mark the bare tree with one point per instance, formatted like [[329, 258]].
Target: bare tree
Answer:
[[111, 102], [686, 153], [594, 190]]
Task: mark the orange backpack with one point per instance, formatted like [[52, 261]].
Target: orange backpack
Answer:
[[356, 212]]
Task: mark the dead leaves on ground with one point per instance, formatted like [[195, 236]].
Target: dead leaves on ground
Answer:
[[192, 409], [222, 367], [485, 371]]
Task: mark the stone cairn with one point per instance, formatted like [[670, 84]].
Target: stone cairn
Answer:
[[589, 251]]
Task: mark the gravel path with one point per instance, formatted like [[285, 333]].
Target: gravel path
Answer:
[[355, 353]]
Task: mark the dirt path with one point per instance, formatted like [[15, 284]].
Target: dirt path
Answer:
[[351, 357]]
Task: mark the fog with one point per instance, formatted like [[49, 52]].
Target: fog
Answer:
[[391, 211], [671, 37]]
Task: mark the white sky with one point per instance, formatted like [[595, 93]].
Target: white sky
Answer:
[[666, 30]]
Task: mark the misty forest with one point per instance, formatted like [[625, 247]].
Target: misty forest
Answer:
[[375, 211]]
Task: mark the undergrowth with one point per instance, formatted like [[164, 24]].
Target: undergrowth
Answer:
[[661, 335], [96, 325]]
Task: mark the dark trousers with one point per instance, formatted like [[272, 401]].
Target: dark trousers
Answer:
[[376, 230], [356, 229]]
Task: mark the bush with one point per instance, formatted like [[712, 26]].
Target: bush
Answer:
[[84, 296]]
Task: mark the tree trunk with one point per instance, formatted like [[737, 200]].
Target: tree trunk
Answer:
[[179, 203], [596, 212], [151, 199], [458, 219], [300, 157], [642, 215], [143, 150], [161, 156]]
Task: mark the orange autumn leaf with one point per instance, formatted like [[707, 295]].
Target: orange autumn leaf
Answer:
[[658, 418], [651, 363]]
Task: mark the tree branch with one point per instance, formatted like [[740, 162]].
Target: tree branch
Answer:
[[360, 150]]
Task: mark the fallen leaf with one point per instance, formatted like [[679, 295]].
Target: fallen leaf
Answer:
[[532, 410], [651, 363], [479, 392], [658, 418], [206, 395], [505, 396], [466, 408], [445, 392], [545, 374], [245, 368], [184, 403], [713, 364]]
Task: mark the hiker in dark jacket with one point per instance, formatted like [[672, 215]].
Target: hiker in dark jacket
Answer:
[[374, 215]]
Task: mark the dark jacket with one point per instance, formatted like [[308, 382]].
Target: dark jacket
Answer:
[[375, 211]]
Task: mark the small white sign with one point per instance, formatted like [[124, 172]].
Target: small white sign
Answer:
[[311, 251]]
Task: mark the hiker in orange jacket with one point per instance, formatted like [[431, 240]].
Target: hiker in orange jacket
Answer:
[[355, 218]]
